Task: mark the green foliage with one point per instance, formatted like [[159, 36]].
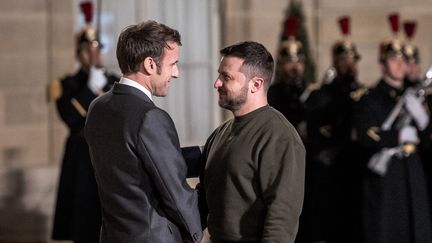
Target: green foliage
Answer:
[[295, 8]]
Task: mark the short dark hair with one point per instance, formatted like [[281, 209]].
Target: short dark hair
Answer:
[[146, 39], [257, 60]]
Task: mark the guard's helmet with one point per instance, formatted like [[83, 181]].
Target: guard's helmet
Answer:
[[88, 35], [411, 51], [392, 45], [345, 47], [290, 48]]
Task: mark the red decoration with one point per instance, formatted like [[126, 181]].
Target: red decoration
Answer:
[[291, 25], [87, 10], [410, 27], [344, 24], [394, 22]]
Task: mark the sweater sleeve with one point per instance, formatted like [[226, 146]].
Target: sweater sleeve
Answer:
[[282, 173]]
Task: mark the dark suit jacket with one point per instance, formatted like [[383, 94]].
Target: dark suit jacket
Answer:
[[140, 171]]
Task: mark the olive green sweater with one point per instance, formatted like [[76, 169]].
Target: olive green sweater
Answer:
[[254, 178]]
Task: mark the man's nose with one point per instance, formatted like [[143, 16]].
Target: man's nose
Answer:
[[217, 83], [176, 72]]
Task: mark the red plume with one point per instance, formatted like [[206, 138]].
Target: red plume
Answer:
[[291, 25], [394, 22], [87, 10], [344, 24], [410, 27]]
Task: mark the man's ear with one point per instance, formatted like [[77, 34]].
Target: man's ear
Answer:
[[149, 65], [257, 84]]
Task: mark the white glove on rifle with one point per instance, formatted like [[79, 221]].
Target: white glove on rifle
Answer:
[[408, 134], [415, 108], [97, 80]]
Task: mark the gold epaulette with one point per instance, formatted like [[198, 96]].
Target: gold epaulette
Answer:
[[358, 93], [54, 91]]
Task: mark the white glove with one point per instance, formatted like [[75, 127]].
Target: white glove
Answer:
[[379, 162], [97, 80], [408, 134], [415, 108]]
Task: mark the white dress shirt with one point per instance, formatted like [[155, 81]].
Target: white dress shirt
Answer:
[[134, 84]]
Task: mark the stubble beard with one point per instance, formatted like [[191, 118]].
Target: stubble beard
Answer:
[[235, 103]]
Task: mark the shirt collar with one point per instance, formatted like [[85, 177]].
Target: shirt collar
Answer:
[[134, 84]]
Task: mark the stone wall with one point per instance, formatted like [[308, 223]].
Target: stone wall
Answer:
[[36, 47]]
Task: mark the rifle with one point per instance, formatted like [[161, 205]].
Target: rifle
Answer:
[[379, 162], [418, 90], [98, 20], [329, 75]]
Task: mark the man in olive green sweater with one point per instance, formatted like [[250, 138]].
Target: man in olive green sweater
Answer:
[[253, 178]]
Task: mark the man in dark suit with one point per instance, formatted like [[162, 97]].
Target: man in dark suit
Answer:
[[134, 146]]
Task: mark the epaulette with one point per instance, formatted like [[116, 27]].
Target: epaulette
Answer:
[[357, 94], [54, 91], [308, 90]]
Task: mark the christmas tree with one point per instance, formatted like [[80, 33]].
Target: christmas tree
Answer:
[[295, 9]]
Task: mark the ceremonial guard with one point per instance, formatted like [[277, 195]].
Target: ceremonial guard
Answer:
[[78, 212], [331, 180], [284, 94], [413, 78], [390, 122]]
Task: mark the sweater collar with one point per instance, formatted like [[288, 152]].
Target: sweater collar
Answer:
[[250, 115]]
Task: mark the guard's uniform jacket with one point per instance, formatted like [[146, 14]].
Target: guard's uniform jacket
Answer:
[[395, 204], [331, 169], [285, 97], [78, 212]]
